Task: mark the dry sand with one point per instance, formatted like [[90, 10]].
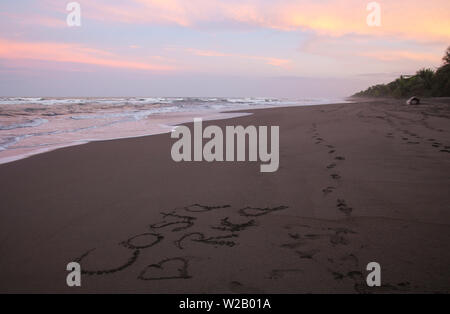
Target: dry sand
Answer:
[[357, 183]]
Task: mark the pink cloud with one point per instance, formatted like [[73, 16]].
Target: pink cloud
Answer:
[[33, 20], [74, 53]]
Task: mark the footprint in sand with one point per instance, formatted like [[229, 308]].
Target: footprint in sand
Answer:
[[343, 207], [339, 239], [335, 176], [280, 273], [355, 275], [294, 236], [307, 254], [350, 258], [328, 190]]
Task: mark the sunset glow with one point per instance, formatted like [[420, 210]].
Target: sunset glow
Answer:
[[223, 39]]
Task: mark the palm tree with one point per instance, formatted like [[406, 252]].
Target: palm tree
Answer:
[[446, 57], [426, 76]]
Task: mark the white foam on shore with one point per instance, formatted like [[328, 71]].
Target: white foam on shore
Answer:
[[27, 124]]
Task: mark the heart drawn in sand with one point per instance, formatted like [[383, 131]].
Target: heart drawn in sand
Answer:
[[170, 268]]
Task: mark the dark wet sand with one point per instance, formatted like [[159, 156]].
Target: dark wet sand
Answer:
[[357, 183]]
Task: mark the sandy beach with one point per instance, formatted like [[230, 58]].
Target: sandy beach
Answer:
[[357, 183]]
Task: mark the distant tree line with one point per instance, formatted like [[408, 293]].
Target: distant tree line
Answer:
[[425, 83]]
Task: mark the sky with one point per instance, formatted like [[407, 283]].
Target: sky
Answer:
[[211, 48]]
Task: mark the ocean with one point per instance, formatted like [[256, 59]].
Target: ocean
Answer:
[[30, 126]]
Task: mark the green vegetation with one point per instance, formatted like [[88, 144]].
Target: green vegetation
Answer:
[[425, 83]]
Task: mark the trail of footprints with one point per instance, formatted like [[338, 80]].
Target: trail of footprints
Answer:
[[315, 242], [412, 138], [305, 240], [332, 166], [408, 137], [178, 224]]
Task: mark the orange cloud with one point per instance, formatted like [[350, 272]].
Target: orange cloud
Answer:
[[409, 19], [73, 53]]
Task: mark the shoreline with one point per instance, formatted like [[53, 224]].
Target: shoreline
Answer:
[[357, 183], [171, 120], [154, 124], [209, 117]]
